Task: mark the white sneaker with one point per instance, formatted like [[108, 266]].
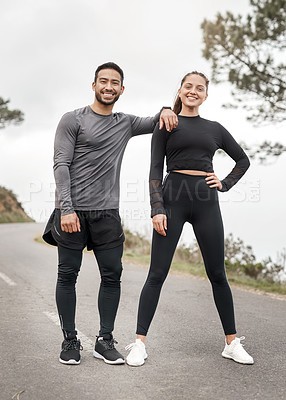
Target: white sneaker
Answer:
[[137, 355], [236, 352]]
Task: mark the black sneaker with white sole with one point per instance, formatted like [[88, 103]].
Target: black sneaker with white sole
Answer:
[[104, 349], [70, 353]]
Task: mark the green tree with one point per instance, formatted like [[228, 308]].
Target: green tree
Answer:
[[236, 252], [241, 259], [8, 116], [249, 52]]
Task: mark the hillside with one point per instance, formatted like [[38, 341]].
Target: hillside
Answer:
[[11, 209]]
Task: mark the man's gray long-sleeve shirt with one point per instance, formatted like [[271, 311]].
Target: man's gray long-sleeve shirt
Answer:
[[88, 153]]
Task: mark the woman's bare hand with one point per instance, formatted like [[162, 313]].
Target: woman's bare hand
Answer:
[[213, 181], [160, 223]]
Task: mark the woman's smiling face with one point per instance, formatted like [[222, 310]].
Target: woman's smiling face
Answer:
[[193, 91]]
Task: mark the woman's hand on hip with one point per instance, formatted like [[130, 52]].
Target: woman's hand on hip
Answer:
[[160, 223], [213, 181]]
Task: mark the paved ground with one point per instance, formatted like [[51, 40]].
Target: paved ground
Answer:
[[185, 340]]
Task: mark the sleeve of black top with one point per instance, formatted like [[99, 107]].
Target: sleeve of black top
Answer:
[[158, 151], [233, 149]]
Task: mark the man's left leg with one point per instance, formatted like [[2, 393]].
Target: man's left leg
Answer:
[[110, 267]]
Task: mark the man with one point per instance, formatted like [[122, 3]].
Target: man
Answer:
[[89, 147]]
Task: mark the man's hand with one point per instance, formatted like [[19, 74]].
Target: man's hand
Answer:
[[213, 181], [169, 118], [160, 223], [70, 223]]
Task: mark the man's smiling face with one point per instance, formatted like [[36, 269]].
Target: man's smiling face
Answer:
[[108, 87]]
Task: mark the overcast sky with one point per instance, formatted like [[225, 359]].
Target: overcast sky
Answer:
[[49, 52]]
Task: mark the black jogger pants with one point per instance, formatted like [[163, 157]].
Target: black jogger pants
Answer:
[[110, 267]]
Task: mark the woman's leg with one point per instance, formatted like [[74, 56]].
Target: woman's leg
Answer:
[[68, 269], [208, 228], [178, 205], [163, 248]]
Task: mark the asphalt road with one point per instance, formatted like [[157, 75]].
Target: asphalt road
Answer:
[[184, 344]]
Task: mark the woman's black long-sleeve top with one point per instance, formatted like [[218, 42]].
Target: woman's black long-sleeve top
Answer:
[[191, 146]]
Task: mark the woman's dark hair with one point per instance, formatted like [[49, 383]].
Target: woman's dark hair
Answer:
[[178, 103], [109, 65]]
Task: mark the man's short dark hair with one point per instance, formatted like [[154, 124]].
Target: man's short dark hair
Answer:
[[109, 65]]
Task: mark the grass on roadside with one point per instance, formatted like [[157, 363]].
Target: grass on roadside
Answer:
[[199, 270], [39, 239], [137, 251]]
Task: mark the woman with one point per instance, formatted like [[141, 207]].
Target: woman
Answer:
[[189, 194]]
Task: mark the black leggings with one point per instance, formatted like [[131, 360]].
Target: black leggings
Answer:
[[188, 198], [110, 267]]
